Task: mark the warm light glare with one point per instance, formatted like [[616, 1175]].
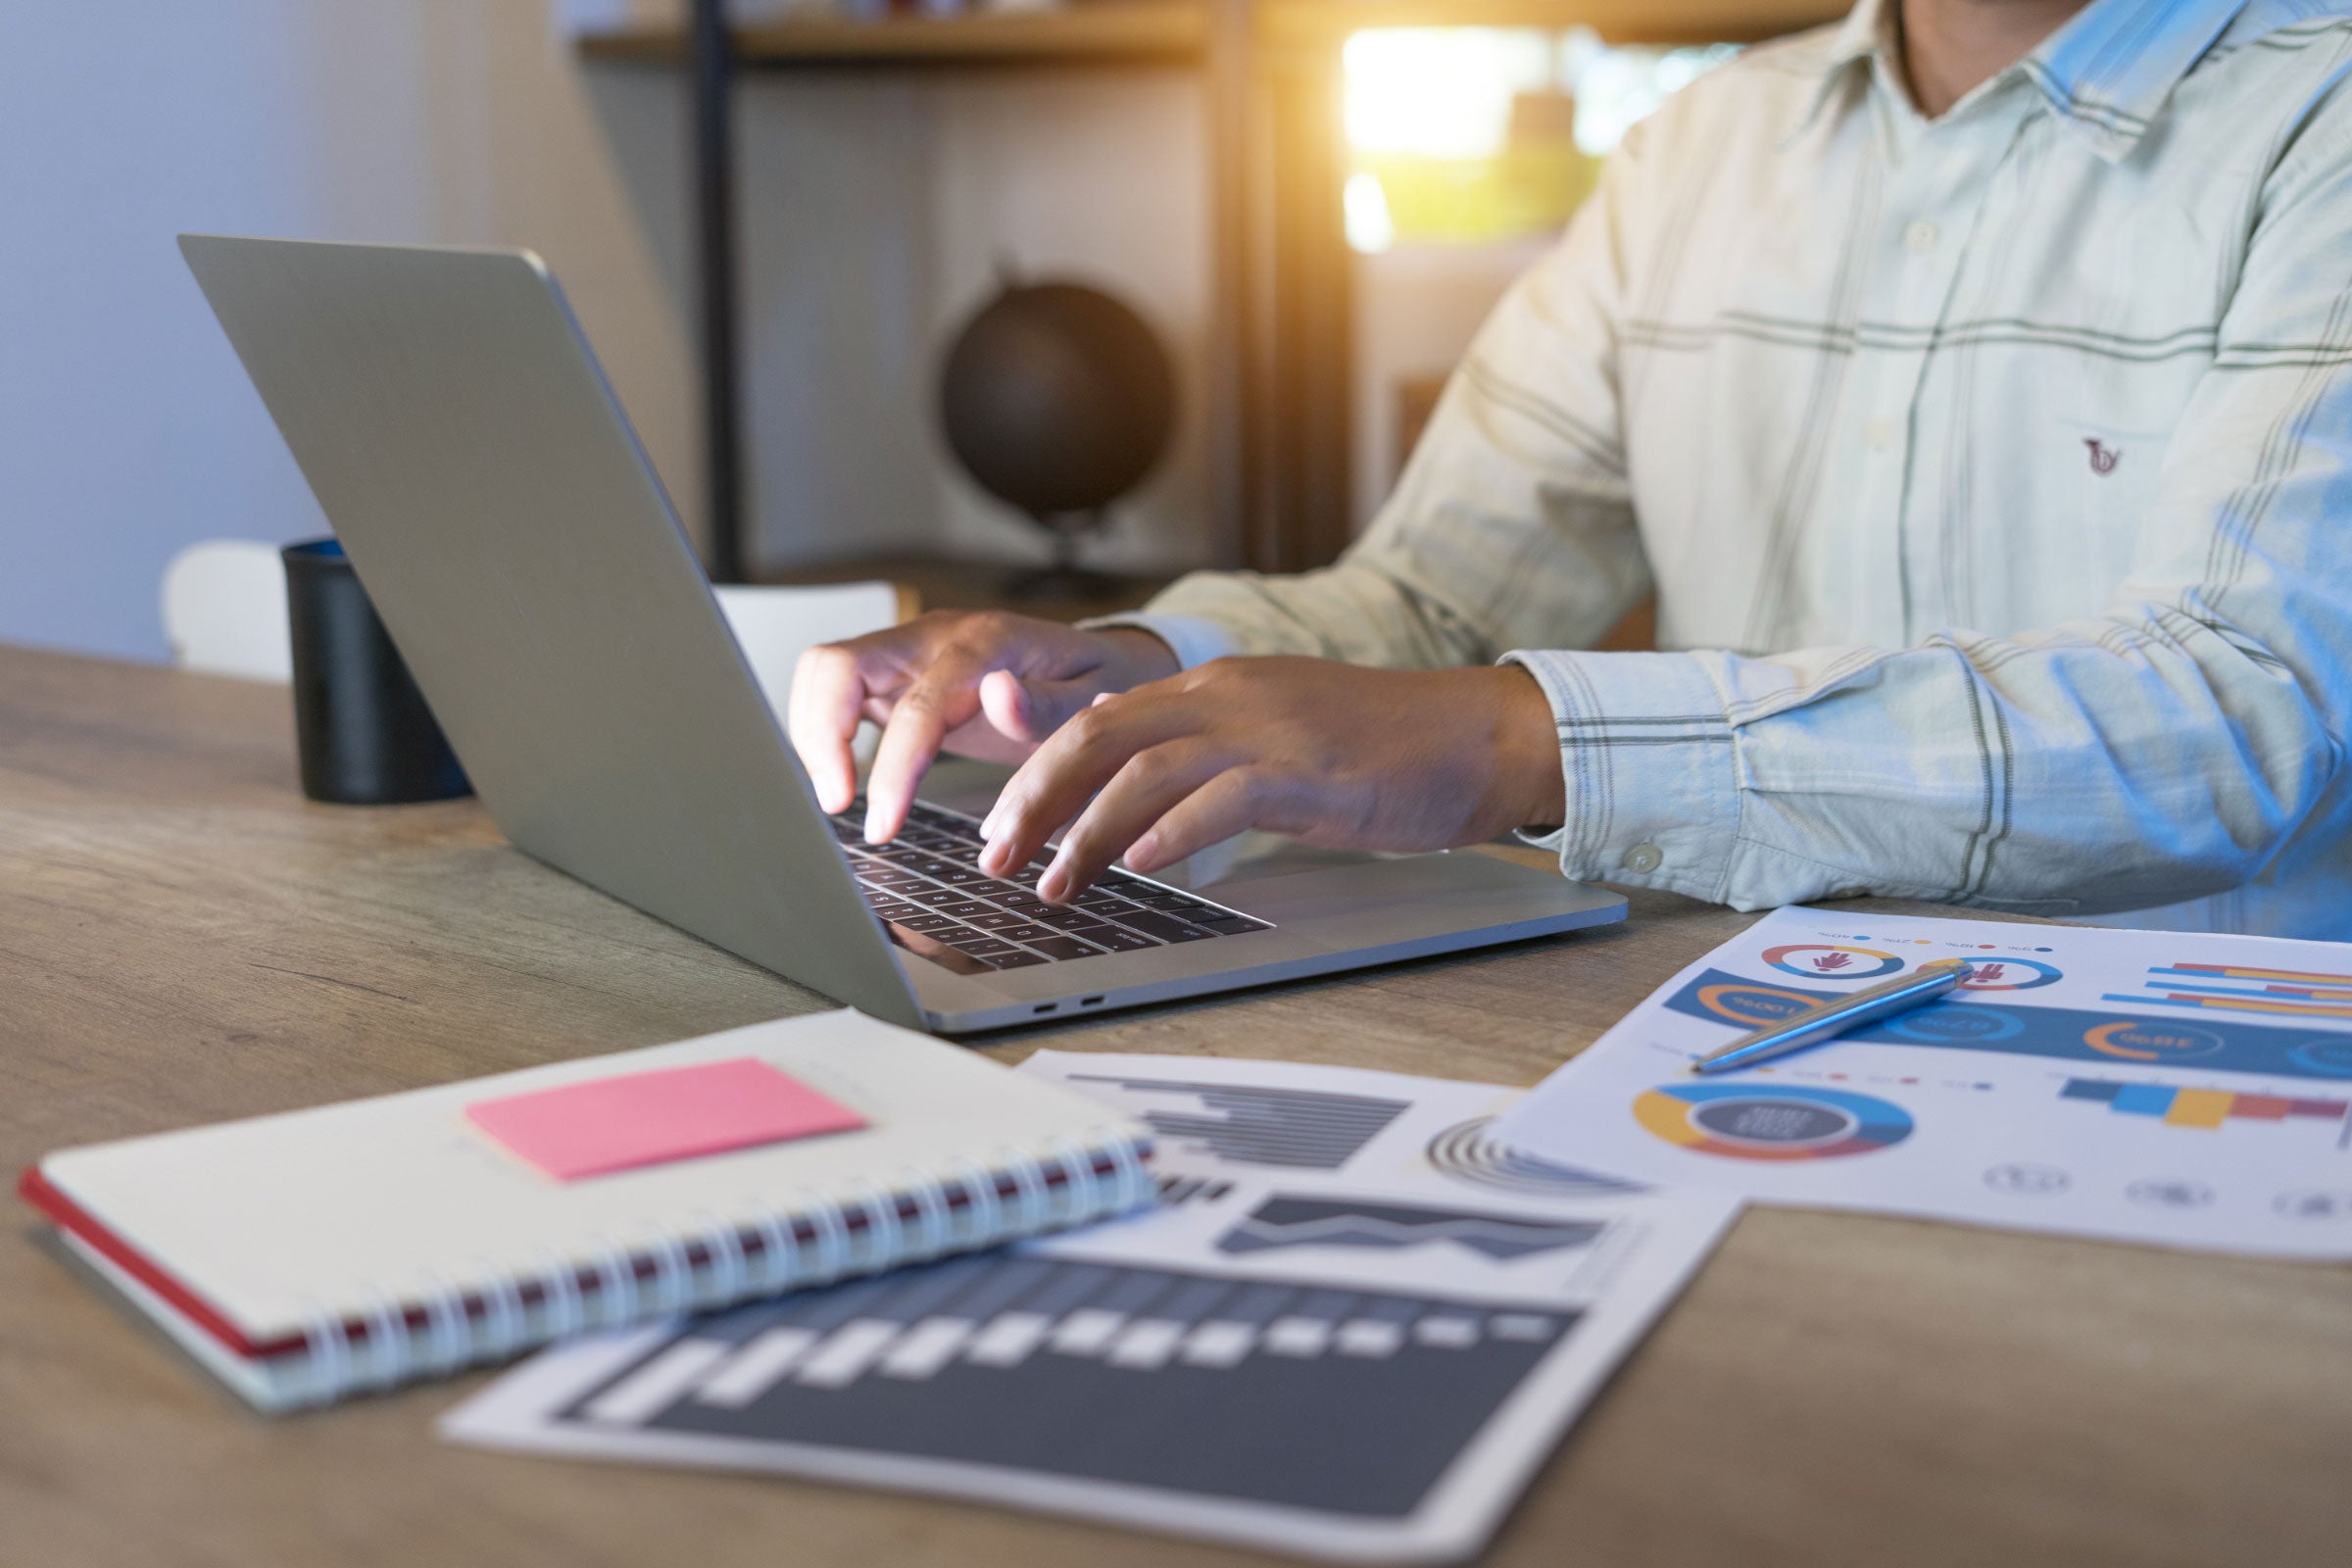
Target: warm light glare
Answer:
[[1446, 92], [1440, 92], [1471, 136], [1365, 206]]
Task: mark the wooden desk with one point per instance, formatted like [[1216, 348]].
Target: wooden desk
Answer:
[[183, 939]]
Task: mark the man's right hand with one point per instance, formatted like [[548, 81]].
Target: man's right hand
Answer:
[[977, 683]]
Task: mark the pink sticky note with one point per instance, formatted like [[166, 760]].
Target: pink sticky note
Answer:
[[648, 1119]]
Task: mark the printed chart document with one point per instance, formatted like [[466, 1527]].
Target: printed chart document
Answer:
[[2184, 1090], [1353, 1329]]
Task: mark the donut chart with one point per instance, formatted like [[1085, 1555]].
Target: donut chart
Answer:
[[1767, 1121], [1823, 960]]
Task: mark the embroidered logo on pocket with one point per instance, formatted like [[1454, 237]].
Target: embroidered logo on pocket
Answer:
[[2103, 457]]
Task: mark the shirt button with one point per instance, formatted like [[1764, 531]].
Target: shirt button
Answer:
[[1921, 236], [1879, 433], [1643, 858]]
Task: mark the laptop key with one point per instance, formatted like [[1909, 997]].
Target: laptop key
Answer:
[[1064, 920], [978, 946], [1060, 947], [966, 909], [1225, 923], [1116, 939], [894, 909], [1164, 926], [996, 919], [1016, 959], [929, 923], [1031, 934], [1111, 909], [937, 897]]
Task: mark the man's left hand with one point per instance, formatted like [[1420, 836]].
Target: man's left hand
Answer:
[[1329, 753]]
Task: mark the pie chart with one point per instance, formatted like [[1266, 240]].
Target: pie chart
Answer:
[[1758, 1122]]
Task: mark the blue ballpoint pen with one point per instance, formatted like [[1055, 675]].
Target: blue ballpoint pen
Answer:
[[1829, 1019]]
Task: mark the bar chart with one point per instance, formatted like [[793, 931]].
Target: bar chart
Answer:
[[2242, 988], [2201, 1107], [1341, 1401]]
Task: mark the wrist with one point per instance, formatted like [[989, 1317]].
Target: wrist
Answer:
[[1134, 656], [1527, 748]]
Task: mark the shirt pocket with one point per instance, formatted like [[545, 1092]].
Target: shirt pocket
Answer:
[[2107, 480]]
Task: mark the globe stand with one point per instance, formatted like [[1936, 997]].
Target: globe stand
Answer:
[[1064, 578]]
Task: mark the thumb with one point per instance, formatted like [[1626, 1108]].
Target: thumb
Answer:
[[1029, 710]]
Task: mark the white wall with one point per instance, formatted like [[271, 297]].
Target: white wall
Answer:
[[873, 210], [127, 427]]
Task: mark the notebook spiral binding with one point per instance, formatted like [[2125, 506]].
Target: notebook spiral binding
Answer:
[[444, 1327]]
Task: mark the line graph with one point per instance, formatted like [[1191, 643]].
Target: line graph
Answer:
[[1285, 1221]]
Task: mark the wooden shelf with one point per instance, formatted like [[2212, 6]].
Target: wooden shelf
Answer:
[[1176, 31], [1302, 22], [1112, 32]]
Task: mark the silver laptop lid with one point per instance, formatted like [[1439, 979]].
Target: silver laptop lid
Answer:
[[447, 412]]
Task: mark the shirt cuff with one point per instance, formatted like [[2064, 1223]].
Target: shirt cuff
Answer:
[[1651, 765], [1193, 639]]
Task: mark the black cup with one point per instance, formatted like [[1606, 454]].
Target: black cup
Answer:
[[365, 735]]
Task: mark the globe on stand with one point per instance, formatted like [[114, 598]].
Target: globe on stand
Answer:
[[1057, 399]]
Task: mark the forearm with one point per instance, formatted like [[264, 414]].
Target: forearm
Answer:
[[2121, 764]]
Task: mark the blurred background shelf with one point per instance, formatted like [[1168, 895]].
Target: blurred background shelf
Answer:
[[1176, 31], [1280, 389]]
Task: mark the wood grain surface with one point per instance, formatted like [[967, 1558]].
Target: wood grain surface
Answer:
[[183, 939]]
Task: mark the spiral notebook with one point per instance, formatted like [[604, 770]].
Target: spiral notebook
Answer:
[[309, 1255]]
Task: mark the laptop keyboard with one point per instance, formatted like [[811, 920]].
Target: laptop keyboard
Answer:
[[932, 899]]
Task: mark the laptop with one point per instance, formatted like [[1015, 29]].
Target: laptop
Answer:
[[449, 414]]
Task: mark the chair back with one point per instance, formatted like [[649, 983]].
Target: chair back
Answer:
[[224, 610], [225, 614]]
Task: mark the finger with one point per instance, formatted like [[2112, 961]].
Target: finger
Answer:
[[1236, 800], [1031, 710], [1149, 785], [944, 697], [1075, 761], [829, 699]]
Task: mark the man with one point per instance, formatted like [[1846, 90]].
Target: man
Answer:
[[1974, 383]]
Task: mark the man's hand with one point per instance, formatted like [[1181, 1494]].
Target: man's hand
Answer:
[[990, 686], [1328, 754]]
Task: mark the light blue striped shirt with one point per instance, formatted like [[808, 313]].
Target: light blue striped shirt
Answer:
[[1994, 473]]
